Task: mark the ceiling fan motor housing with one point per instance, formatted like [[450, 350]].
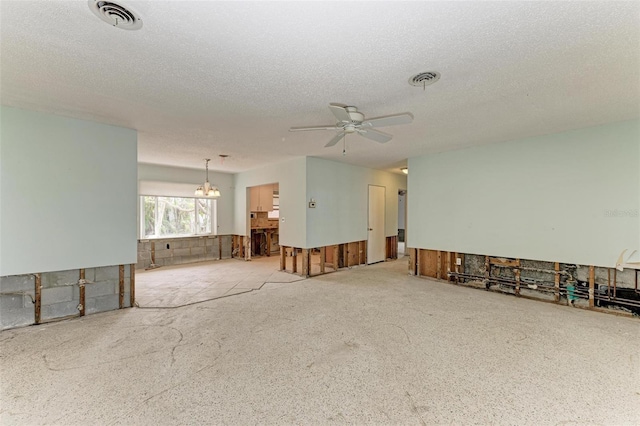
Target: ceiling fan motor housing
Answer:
[[356, 116]]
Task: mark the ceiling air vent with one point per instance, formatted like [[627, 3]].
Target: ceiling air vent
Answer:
[[424, 79], [116, 14]]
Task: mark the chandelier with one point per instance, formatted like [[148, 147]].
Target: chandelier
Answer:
[[207, 190]]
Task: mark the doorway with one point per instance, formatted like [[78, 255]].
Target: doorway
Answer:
[[376, 242], [402, 221]]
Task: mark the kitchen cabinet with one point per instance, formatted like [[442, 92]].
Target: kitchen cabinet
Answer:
[[261, 198]]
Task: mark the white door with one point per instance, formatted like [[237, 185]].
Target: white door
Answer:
[[376, 242]]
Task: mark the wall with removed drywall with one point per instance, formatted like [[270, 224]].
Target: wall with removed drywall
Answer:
[[341, 193], [570, 197], [67, 193]]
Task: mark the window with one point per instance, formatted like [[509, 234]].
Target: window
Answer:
[[176, 216]]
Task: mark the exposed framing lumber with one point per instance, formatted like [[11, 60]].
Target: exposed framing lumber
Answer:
[[323, 253], [592, 284], [220, 247], [504, 262], [81, 305], [38, 298], [153, 253], [517, 274], [412, 261], [132, 285], [294, 260], [438, 265], [556, 283], [283, 258], [448, 266], [487, 266], [121, 286], [336, 257], [305, 262]]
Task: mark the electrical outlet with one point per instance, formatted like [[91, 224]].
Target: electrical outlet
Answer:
[[312, 204], [458, 261], [282, 219]]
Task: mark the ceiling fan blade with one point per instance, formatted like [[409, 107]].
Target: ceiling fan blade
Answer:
[[375, 135], [340, 112], [389, 120], [335, 140], [304, 128]]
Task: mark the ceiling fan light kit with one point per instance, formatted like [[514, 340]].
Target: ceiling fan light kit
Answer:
[[206, 189], [350, 120]]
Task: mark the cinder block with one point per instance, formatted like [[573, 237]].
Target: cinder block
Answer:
[[60, 278], [107, 273], [103, 303], [163, 254], [17, 283], [58, 310], [144, 256], [182, 252], [90, 274], [209, 242], [127, 299], [102, 288], [55, 295], [197, 250], [10, 318], [14, 302], [200, 242]]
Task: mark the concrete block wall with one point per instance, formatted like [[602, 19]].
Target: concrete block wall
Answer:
[[60, 294], [176, 251], [17, 301]]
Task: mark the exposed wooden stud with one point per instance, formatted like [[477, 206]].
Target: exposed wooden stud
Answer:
[[438, 264], [364, 251], [448, 266], [38, 297], [592, 285], [456, 268], [615, 281], [517, 273], [323, 252], [121, 286], [219, 247], [283, 258], [504, 262], [345, 254], [556, 283], [294, 259], [487, 267], [461, 267], [268, 249], [81, 306], [305, 262], [336, 257], [132, 285]]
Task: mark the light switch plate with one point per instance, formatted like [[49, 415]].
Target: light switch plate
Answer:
[[458, 261]]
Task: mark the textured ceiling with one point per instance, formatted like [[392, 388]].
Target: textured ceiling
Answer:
[[207, 78]]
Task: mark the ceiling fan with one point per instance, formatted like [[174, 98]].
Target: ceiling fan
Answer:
[[350, 120]]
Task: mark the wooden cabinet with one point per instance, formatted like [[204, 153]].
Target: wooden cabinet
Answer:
[[261, 198]]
